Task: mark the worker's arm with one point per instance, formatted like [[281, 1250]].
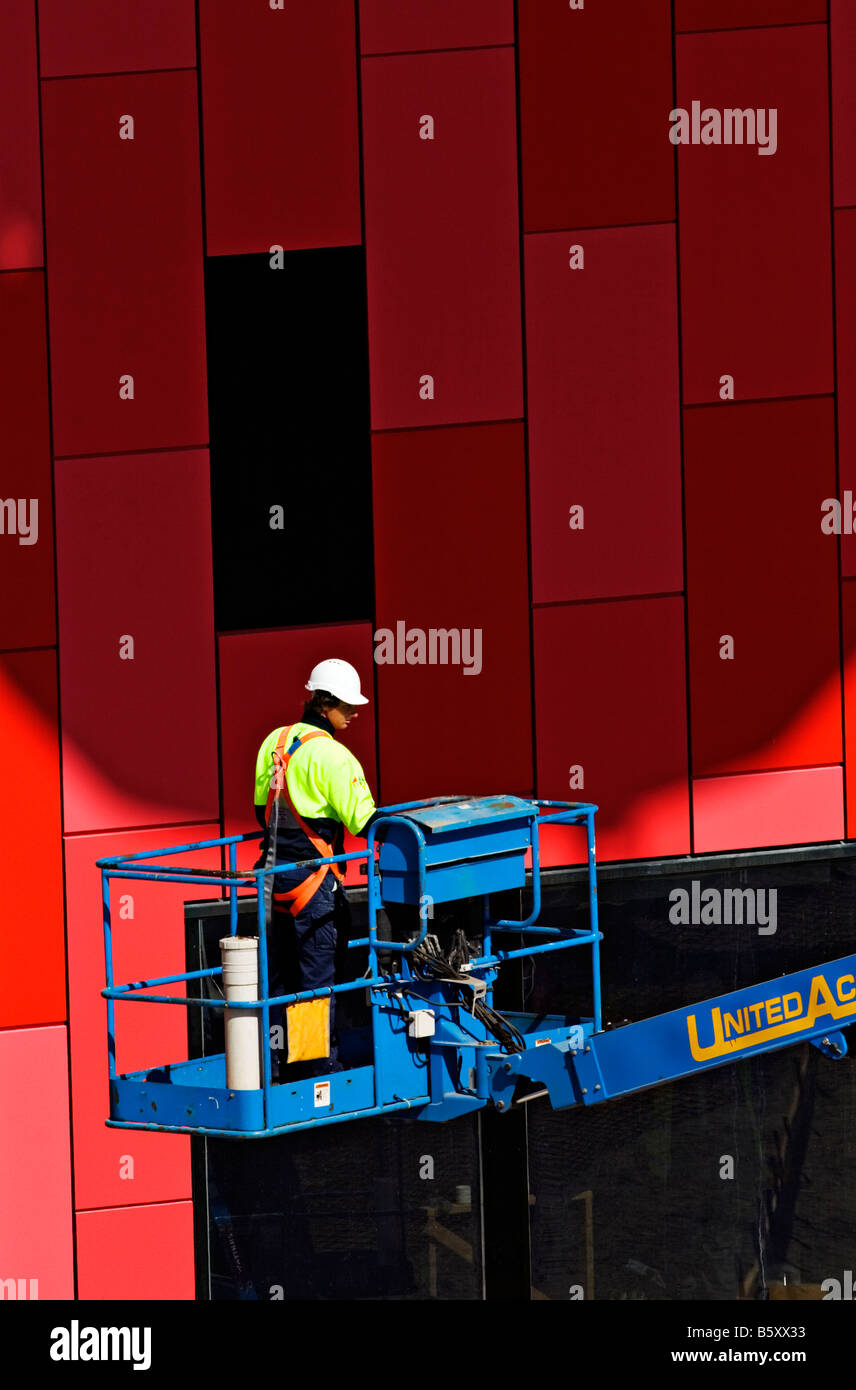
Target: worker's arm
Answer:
[[371, 820], [348, 794]]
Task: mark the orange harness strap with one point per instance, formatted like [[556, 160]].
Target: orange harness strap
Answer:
[[297, 899]]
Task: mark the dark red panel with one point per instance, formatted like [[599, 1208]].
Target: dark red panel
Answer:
[[262, 680], [848, 622], [136, 1252], [450, 537], [20, 173], [768, 808], [745, 14], [755, 232], [760, 570], [30, 829], [843, 50], [845, 313], [595, 92], [442, 238], [610, 698], [35, 1163], [81, 37], [387, 26], [26, 544], [134, 560], [125, 271], [604, 423], [280, 124], [148, 940]]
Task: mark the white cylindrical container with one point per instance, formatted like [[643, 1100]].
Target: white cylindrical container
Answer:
[[240, 957]]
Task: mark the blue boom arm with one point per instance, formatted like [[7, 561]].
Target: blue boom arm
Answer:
[[808, 1006]]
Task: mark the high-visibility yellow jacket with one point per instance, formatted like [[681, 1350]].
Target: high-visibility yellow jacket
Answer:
[[325, 781]]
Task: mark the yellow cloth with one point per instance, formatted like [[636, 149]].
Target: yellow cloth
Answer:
[[308, 1030]]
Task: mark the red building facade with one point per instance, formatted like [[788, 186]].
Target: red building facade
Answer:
[[611, 385]]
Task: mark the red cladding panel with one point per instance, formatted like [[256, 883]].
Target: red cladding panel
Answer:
[[262, 680], [134, 562], [848, 616], [136, 1253], [610, 707], [26, 522], [280, 125], [845, 305], [760, 571], [81, 37], [768, 808], [387, 26], [32, 989], [594, 117], [35, 1163], [746, 14], [20, 173], [148, 940], [843, 48], [755, 234], [451, 557], [125, 232], [442, 240], [604, 423]]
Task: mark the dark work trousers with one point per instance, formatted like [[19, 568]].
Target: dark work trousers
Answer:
[[308, 951]]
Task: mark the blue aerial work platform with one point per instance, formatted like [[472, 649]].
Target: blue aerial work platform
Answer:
[[435, 1046]]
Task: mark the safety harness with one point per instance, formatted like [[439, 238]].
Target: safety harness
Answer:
[[297, 898]]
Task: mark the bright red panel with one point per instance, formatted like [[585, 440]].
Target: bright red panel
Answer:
[[442, 238], [134, 560], [760, 570], [30, 830], [798, 807], [843, 48], [755, 233], [35, 1162], [845, 307], [610, 698], [146, 944], [262, 679], [848, 623], [595, 92], [280, 125], [80, 37], [452, 555], [387, 26], [135, 1253], [604, 423], [20, 172], [125, 272], [26, 546], [745, 14]]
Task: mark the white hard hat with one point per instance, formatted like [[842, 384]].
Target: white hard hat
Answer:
[[340, 678]]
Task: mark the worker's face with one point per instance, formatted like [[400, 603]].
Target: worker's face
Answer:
[[340, 715]]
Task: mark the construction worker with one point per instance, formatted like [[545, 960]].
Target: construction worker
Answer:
[[309, 789]]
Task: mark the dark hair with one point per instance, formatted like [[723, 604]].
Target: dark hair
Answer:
[[320, 702]]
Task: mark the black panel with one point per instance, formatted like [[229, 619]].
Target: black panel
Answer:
[[379, 1208], [737, 1183], [289, 411], [734, 1184], [650, 964]]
